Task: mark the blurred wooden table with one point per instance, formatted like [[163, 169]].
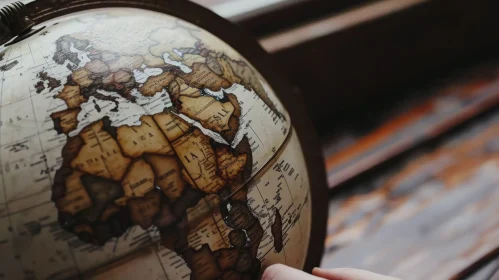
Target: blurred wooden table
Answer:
[[434, 210]]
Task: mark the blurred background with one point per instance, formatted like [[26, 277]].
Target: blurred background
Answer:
[[404, 96]]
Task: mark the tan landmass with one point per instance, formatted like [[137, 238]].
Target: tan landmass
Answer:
[[76, 197], [126, 62], [143, 209], [211, 113], [110, 210], [227, 71], [108, 79], [178, 87], [66, 121], [229, 165], [249, 79], [198, 158], [206, 225], [113, 177], [237, 108], [212, 63], [202, 263], [172, 126], [122, 76], [71, 95], [231, 132], [168, 39], [190, 59], [100, 155], [145, 138], [202, 77], [153, 61], [167, 175], [71, 149], [97, 66], [156, 84], [138, 180], [80, 77], [215, 46], [234, 119]]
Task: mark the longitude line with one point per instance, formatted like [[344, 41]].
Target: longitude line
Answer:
[[41, 144], [3, 178], [161, 263], [256, 135], [293, 201], [31, 52], [74, 259], [215, 221]]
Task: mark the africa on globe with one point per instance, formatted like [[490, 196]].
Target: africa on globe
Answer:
[[137, 145]]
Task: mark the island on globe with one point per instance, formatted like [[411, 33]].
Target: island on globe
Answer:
[[137, 145]]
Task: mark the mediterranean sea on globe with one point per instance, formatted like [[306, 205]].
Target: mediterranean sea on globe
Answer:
[[137, 145]]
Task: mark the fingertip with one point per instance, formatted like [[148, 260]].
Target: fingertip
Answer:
[[272, 272], [283, 272], [316, 270]]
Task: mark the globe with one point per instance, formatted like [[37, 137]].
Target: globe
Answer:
[[136, 145]]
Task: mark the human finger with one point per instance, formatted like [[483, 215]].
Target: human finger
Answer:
[[283, 272], [349, 274]]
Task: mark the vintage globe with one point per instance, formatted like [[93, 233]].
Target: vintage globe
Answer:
[[137, 144]]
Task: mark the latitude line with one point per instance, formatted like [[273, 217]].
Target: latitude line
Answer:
[[26, 209], [31, 195], [18, 141]]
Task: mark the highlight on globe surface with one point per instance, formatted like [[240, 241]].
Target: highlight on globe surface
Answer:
[[139, 145]]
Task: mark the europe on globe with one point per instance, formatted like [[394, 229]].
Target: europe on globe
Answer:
[[137, 145]]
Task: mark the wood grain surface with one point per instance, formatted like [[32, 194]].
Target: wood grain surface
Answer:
[[444, 107], [427, 217]]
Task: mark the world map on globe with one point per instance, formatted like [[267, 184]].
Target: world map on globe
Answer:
[[135, 144]]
